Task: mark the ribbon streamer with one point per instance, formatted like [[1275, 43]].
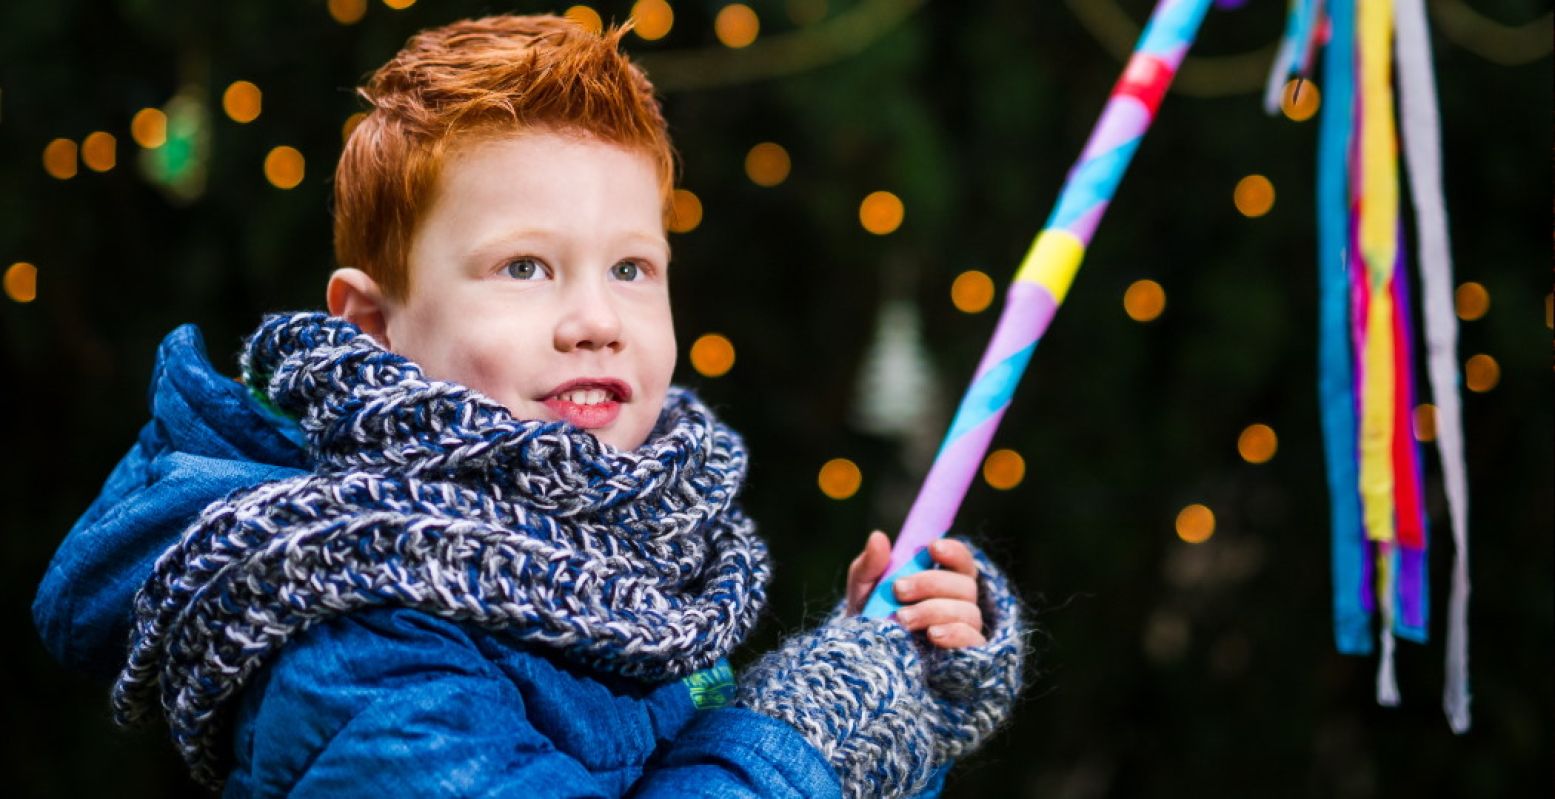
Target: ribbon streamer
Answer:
[[1423, 158]]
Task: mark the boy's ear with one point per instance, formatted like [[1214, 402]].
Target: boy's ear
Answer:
[[355, 297]]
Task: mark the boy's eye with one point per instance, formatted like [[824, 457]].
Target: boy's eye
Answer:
[[625, 270], [524, 269]]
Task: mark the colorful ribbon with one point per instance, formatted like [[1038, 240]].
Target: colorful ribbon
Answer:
[[1366, 380], [1421, 125], [1040, 285]]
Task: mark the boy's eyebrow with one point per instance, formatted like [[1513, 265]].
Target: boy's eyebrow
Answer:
[[503, 241]]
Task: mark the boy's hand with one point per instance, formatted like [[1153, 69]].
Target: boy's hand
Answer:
[[942, 601]]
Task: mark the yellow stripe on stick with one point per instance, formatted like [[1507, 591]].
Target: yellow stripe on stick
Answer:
[[1052, 262]]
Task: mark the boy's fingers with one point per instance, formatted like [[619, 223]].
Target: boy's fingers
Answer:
[[866, 569], [955, 636], [954, 555], [938, 612], [871, 562], [938, 583]]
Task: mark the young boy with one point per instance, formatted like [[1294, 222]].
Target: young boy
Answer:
[[462, 536]]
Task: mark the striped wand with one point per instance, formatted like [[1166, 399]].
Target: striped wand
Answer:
[[1040, 285]]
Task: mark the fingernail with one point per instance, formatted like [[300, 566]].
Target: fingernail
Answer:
[[904, 587], [906, 617], [938, 547], [936, 632]]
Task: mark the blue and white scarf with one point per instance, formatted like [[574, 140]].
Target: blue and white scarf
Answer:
[[427, 495]]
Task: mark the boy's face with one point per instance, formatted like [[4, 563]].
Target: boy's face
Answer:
[[539, 278]]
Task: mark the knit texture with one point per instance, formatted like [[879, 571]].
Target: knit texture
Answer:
[[425, 494], [883, 706]]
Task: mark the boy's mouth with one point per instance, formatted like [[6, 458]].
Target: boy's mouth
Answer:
[[588, 402]]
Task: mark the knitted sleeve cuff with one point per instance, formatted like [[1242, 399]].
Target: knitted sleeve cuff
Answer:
[[885, 707]]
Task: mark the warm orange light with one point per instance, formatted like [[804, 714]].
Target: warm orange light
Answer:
[[1254, 195], [1472, 301], [1301, 99], [350, 124], [654, 19], [149, 128], [59, 159], [685, 211], [712, 355], [586, 18], [736, 25], [99, 151], [1425, 422], [1004, 469], [347, 12], [399, 5], [1257, 443], [767, 164], [881, 212], [1549, 310], [241, 101], [1195, 524], [21, 282], [284, 167], [1144, 300], [840, 478], [972, 291], [1481, 373]]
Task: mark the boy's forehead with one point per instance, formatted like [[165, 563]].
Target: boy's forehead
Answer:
[[497, 189]]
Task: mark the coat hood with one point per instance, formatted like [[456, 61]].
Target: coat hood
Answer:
[[208, 436]]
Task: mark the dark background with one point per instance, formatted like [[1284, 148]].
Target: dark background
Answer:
[[1166, 669]]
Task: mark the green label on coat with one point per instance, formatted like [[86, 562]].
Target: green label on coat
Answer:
[[712, 687]]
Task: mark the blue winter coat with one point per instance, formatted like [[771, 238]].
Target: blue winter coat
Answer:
[[391, 701]]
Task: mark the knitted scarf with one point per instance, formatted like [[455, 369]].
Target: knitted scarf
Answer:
[[427, 495]]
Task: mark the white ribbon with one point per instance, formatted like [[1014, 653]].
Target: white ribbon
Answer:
[[1420, 126]]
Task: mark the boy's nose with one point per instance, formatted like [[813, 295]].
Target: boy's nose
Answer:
[[588, 322]]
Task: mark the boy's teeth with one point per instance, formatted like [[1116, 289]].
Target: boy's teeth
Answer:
[[591, 396]]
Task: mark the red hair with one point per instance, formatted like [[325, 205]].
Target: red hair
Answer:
[[475, 79]]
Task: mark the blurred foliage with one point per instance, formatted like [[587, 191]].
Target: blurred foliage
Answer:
[[1167, 669]]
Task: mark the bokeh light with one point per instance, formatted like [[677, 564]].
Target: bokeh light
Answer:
[[399, 5], [685, 211], [149, 128], [1425, 422], [21, 282], [1144, 300], [1549, 310], [350, 124], [241, 101], [1254, 195], [654, 19], [1300, 100], [1195, 524], [585, 17], [1004, 469], [1257, 443], [712, 355], [284, 167], [736, 25], [347, 12], [99, 151], [1481, 373], [59, 159], [840, 478], [767, 164], [881, 212], [1472, 301], [972, 291]]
